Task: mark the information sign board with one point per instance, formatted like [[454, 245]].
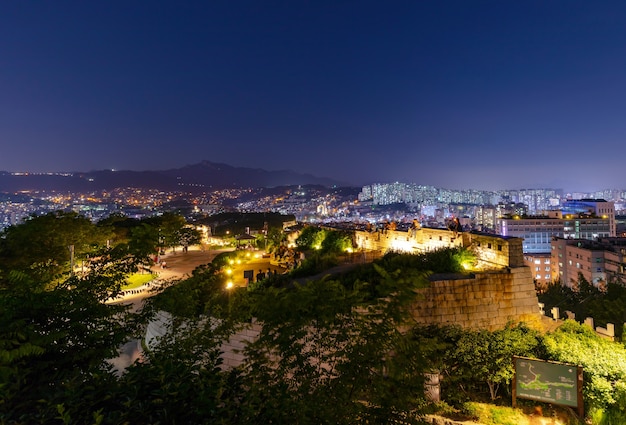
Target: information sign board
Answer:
[[545, 381]]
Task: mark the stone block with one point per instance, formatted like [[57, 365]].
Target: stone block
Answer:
[[526, 310], [236, 344], [473, 302], [508, 295]]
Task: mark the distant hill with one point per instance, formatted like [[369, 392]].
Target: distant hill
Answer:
[[204, 176]]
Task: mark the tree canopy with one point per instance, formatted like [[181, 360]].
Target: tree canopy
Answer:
[[342, 349]]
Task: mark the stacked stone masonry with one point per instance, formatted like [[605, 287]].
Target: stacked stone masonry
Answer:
[[482, 301], [492, 251], [486, 300], [503, 293], [232, 350]]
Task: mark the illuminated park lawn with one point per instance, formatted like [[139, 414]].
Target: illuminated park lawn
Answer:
[[138, 279]]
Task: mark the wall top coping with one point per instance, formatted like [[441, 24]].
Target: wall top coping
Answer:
[[451, 276]]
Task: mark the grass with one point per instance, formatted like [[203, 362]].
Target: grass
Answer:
[[489, 414], [138, 279]]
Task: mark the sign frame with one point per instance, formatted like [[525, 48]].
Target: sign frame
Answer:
[[546, 363]]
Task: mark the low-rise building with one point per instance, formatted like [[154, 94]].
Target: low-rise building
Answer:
[[538, 231], [597, 261], [540, 266]]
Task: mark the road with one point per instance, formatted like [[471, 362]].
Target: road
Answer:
[[179, 266]]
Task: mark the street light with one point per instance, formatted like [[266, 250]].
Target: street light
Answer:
[[229, 289]]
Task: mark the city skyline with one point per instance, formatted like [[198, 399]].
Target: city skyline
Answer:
[[455, 94]]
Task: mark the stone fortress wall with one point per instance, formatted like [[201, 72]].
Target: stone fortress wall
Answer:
[[502, 291], [492, 251]]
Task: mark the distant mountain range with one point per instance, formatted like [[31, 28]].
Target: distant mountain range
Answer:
[[204, 176]]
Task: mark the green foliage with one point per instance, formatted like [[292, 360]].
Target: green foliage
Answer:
[[489, 414], [170, 228], [604, 362], [615, 414], [54, 339], [275, 237], [488, 354], [310, 238], [329, 354], [120, 227], [336, 242], [138, 279], [323, 240], [203, 293], [333, 351], [40, 247], [469, 358], [188, 236], [179, 381], [584, 300], [144, 240], [236, 222], [407, 265], [445, 260], [315, 263]]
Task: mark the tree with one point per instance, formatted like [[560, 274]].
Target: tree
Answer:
[[169, 226], [329, 353], [470, 359], [275, 238], [310, 237], [120, 227], [144, 241], [336, 242], [54, 340], [487, 355], [188, 236], [42, 246]]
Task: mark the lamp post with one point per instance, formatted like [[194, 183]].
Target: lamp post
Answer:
[[71, 248], [229, 288]]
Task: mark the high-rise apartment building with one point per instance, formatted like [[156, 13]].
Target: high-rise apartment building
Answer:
[[485, 217]]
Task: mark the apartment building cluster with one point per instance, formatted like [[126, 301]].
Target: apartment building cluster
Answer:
[[541, 217], [580, 237]]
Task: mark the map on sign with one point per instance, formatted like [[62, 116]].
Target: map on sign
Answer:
[[549, 382]]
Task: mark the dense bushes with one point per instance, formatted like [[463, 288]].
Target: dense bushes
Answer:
[[475, 363], [604, 361], [333, 350]]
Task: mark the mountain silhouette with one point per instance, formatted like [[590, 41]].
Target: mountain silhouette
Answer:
[[200, 177]]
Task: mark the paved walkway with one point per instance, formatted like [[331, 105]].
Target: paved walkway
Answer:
[[180, 264]]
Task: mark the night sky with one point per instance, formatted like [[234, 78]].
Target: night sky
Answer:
[[457, 94]]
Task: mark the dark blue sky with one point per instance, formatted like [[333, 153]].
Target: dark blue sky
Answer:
[[461, 94]]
